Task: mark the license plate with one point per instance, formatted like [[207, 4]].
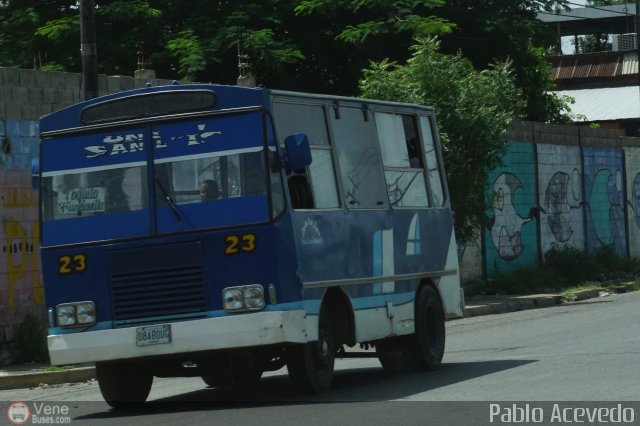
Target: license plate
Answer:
[[153, 335]]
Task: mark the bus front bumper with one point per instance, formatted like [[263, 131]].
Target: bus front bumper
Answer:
[[237, 331]]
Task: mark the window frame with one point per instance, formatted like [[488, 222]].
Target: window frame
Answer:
[[329, 146], [416, 121], [435, 136]]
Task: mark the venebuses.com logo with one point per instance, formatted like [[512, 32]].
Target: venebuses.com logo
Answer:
[[18, 413]]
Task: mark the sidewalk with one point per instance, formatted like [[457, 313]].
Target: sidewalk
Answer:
[[34, 375]]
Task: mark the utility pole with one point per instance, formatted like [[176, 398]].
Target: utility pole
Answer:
[[88, 50]]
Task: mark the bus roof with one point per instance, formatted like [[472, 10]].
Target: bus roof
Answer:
[[227, 97]]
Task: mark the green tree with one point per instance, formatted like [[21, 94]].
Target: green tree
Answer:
[[483, 30], [189, 39], [21, 45], [474, 109], [500, 30]]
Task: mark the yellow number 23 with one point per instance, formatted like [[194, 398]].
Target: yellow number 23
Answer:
[[75, 263], [236, 244]]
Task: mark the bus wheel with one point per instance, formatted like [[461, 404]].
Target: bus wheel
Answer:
[[236, 376], [422, 350], [123, 385], [430, 332], [310, 365]]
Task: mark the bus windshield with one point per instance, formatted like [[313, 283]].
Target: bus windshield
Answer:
[[200, 174]]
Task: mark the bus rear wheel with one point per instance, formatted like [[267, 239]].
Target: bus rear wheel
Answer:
[[310, 365], [123, 385], [430, 331], [422, 350]]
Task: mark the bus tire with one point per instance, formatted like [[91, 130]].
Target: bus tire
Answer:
[[430, 330], [123, 385], [422, 350], [310, 365]]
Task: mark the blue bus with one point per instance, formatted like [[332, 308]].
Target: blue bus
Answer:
[[221, 232]]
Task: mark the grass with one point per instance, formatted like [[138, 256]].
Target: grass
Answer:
[[53, 368], [565, 271]]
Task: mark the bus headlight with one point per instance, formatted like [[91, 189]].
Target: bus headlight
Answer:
[[232, 298], [86, 313], [66, 315], [243, 298], [76, 314], [253, 297]]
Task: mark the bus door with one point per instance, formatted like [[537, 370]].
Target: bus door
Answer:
[[210, 172], [94, 186]]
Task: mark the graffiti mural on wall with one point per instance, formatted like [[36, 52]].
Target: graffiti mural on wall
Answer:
[[632, 165], [510, 225], [21, 288], [604, 193], [560, 198], [506, 224]]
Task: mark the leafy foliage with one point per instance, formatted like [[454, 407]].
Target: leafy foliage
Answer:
[[474, 110], [307, 45], [565, 268], [379, 17], [186, 47], [30, 341]]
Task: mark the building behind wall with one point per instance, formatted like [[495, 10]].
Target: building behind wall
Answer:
[[603, 80]]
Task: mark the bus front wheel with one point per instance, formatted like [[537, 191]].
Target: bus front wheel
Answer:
[[310, 365], [123, 385]]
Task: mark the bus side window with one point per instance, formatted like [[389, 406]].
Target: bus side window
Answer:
[[315, 186], [359, 160], [402, 159], [433, 169]]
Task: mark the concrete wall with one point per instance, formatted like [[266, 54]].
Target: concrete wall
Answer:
[[26, 95], [632, 165], [510, 236], [560, 197], [560, 186], [604, 199]]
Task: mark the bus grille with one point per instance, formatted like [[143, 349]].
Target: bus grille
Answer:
[[167, 289]]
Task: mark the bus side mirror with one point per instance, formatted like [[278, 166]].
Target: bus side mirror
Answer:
[[35, 173], [298, 151]]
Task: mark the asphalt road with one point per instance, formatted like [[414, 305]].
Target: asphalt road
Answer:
[[587, 351]]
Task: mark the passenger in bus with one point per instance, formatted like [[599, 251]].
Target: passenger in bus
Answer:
[[209, 190], [299, 190]]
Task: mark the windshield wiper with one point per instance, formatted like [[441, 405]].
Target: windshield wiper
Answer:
[[170, 201]]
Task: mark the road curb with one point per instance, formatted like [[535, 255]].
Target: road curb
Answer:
[[491, 306], [36, 378], [512, 304]]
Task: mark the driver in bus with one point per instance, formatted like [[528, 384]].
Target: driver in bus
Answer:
[[209, 190]]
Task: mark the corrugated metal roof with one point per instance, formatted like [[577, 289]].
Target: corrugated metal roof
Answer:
[[613, 103], [630, 63], [593, 65]]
